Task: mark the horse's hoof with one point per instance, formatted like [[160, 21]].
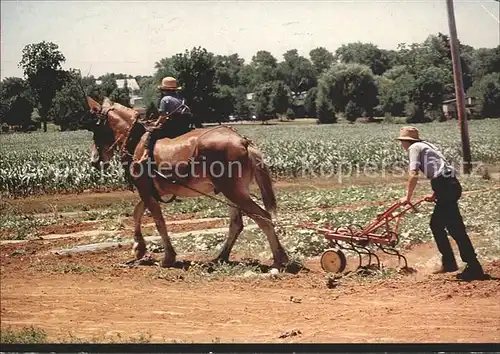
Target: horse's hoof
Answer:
[[220, 260], [167, 263], [139, 250]]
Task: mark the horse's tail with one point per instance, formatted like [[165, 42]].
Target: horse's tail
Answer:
[[263, 179]]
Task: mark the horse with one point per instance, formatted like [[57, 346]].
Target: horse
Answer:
[[117, 128]]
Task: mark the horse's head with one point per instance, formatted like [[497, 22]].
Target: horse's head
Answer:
[[103, 134]]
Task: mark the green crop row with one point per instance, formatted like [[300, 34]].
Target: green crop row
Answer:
[[60, 162]]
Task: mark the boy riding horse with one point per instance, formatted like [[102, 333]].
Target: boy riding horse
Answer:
[[175, 117]]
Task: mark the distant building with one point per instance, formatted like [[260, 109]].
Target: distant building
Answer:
[[133, 88], [450, 107]]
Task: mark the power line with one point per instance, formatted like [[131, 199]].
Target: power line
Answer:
[[488, 11]]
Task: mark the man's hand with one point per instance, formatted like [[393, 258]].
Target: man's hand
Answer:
[[404, 200]]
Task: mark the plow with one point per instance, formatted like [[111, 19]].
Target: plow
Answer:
[[381, 233]]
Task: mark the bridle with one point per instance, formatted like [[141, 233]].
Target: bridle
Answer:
[[102, 117]]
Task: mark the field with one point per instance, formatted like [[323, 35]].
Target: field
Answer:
[[66, 236]]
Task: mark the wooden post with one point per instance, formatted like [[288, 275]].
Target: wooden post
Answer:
[[459, 88]]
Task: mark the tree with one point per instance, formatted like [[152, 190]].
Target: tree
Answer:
[[348, 82], [262, 99], [310, 102], [322, 59], [364, 53], [69, 104], [272, 99], [485, 61], [225, 102], [196, 74], [280, 99], [41, 63], [395, 90], [435, 52], [121, 95], [241, 104], [324, 106], [227, 69], [488, 91], [16, 105], [297, 72], [429, 89], [264, 68]]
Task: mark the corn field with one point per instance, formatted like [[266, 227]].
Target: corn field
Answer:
[[34, 163]]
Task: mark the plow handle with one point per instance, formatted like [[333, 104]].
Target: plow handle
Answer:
[[413, 205]]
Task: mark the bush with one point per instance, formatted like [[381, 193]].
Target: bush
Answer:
[[325, 110], [415, 114], [310, 102], [352, 111]]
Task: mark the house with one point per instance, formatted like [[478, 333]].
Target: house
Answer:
[[133, 88], [132, 84], [450, 106]]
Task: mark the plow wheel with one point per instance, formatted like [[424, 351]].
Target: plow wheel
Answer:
[[333, 261]]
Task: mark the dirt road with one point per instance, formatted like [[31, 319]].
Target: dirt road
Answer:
[[87, 296]]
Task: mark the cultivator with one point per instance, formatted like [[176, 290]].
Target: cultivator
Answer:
[[360, 240]]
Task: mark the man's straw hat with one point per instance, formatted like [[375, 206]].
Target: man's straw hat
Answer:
[[408, 134], [169, 83]]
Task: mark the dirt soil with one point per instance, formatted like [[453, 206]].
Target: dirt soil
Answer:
[[90, 295]]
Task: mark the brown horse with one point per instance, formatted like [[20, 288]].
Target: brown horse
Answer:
[[202, 162]]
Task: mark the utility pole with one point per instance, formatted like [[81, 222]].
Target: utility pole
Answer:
[[459, 88]]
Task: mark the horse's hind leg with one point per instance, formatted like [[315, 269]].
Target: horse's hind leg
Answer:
[[235, 228], [139, 248], [263, 220]]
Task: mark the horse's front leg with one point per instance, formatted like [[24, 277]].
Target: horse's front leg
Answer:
[[139, 248]]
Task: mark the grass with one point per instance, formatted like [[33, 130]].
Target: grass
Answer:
[[290, 201], [480, 212], [26, 335], [34, 335]]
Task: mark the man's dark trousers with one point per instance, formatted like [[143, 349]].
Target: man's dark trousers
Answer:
[[446, 216]]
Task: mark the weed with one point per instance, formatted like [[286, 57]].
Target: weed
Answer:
[[26, 335]]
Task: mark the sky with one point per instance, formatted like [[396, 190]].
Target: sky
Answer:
[[130, 36]]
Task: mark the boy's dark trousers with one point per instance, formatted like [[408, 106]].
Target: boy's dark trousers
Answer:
[[446, 216]]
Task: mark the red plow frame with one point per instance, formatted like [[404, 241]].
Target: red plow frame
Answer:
[[381, 232]]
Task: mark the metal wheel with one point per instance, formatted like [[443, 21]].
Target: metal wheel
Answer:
[[333, 261]]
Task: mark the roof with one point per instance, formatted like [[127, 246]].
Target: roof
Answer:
[[131, 83], [454, 99]]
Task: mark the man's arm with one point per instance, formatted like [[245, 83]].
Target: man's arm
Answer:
[[162, 111], [414, 156], [412, 183]]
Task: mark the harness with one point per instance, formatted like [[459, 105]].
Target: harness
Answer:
[[126, 150]]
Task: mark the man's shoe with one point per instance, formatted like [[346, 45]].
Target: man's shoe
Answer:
[[448, 265], [448, 268], [471, 272]]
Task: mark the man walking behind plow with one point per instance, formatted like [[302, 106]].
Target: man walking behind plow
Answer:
[[446, 216]]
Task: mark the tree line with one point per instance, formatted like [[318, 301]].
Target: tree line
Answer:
[[356, 80]]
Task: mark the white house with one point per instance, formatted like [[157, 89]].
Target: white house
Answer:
[[133, 88]]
